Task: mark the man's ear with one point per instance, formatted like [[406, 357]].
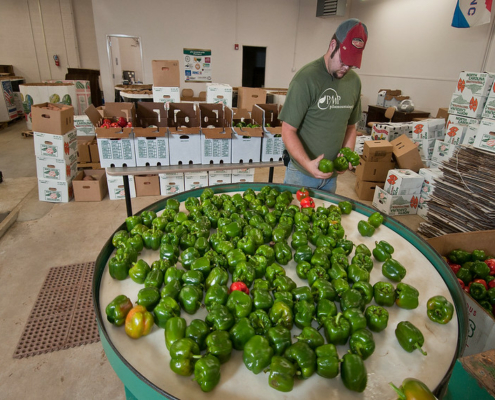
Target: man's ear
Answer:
[[332, 46]]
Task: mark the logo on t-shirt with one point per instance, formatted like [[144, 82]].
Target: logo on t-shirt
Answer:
[[330, 99]]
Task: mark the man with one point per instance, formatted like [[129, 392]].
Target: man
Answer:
[[322, 107]]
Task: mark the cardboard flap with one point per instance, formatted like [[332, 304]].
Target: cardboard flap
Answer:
[[93, 115], [113, 133], [151, 114], [150, 132], [257, 115], [240, 114], [183, 115], [217, 133], [166, 73], [251, 132], [469, 241], [390, 92], [212, 115]]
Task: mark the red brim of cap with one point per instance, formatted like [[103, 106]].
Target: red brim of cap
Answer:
[[351, 56]]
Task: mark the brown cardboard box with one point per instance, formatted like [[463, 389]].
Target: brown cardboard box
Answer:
[[91, 190], [406, 153], [443, 113], [56, 119], [112, 111], [481, 329], [373, 171], [166, 73], [93, 151], [83, 152], [147, 185], [248, 97], [377, 150], [365, 190]]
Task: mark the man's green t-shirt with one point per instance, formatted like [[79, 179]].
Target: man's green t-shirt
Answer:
[[321, 107]]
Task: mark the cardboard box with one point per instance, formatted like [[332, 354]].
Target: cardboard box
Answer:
[[243, 175], [83, 152], [382, 93], [431, 128], [406, 153], [455, 134], [430, 175], [52, 118], [166, 73], [90, 190], [373, 171], [471, 106], [246, 142], [485, 136], [56, 169], [423, 208], [84, 126], [481, 330], [166, 94], [171, 183], [386, 131], [470, 134], [195, 180], [425, 147], [248, 97], [403, 182], [377, 150], [442, 151], [460, 120], [365, 190], [443, 113], [55, 191], [115, 145], [147, 185], [219, 93], [37, 93], [489, 110], [219, 177], [395, 204], [272, 145], [56, 146], [474, 83], [216, 140], [116, 187], [185, 134]]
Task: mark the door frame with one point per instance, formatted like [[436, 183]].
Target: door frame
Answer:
[[111, 55]]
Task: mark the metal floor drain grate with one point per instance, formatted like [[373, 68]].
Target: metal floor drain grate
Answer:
[[62, 316]]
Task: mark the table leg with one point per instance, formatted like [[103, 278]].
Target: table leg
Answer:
[[127, 195], [270, 175]]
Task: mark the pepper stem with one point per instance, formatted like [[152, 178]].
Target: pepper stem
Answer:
[[420, 349], [399, 392]]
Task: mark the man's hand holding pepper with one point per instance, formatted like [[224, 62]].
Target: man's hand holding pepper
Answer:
[[312, 167]]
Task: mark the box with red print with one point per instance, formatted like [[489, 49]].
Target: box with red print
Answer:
[[403, 182], [470, 106], [474, 83], [485, 136], [433, 128], [395, 204]]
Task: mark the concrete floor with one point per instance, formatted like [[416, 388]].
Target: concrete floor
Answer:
[[46, 235]]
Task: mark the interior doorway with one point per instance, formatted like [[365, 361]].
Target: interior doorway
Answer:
[[125, 56], [253, 66]]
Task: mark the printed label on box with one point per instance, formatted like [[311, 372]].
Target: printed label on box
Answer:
[[485, 137]]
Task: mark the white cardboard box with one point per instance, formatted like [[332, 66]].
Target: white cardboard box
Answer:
[[55, 191], [403, 182], [116, 187], [56, 146], [84, 126], [460, 120], [489, 110], [485, 137], [55, 169], [395, 205], [243, 175], [455, 133], [474, 83], [166, 94], [117, 153], [171, 183], [429, 175], [246, 148], [219, 93], [470, 134], [471, 106], [425, 147], [215, 149], [195, 180], [184, 148], [433, 128], [385, 131], [423, 208], [219, 177], [442, 151], [152, 150]]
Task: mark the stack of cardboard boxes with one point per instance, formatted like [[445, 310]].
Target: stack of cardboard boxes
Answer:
[[425, 134], [55, 147], [166, 81]]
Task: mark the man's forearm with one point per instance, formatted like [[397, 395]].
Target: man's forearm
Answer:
[[293, 144], [350, 137]]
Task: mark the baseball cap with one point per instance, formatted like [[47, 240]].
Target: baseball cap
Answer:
[[352, 35]]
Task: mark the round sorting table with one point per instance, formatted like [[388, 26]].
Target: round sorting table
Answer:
[[143, 364]]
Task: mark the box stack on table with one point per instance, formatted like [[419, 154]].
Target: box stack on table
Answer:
[[375, 162], [400, 195], [55, 147]]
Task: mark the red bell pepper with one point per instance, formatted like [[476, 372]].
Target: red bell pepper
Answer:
[[482, 281], [491, 264], [491, 284], [307, 202], [302, 194], [461, 283], [455, 267], [467, 287], [241, 286]]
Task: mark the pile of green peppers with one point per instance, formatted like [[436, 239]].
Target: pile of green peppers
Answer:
[[250, 245]]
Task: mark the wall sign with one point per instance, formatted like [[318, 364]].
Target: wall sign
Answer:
[[197, 65]]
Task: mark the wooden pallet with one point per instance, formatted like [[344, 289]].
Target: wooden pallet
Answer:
[[5, 124], [27, 133], [88, 166]]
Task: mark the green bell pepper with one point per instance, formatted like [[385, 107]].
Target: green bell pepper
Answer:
[[325, 308], [341, 285], [148, 297], [119, 266], [320, 260], [240, 333], [218, 276], [119, 237], [303, 357], [139, 271], [351, 298], [365, 228], [465, 275], [279, 339], [267, 252], [439, 309], [117, 310], [363, 260], [216, 294], [190, 297], [283, 253], [239, 304], [327, 361], [285, 297], [376, 219], [409, 337], [337, 329], [303, 293], [316, 273], [376, 318], [302, 269], [154, 278], [171, 274], [459, 256], [282, 314], [345, 207], [198, 330], [219, 318], [406, 296], [132, 221], [193, 278], [272, 271], [262, 299], [283, 283], [182, 354], [477, 291], [365, 289], [362, 343], [282, 373], [171, 289], [218, 343], [353, 373], [384, 294], [167, 308], [311, 337], [202, 265], [257, 354], [393, 270], [244, 272], [358, 273], [362, 249], [260, 321], [356, 319], [382, 251], [304, 313], [175, 329], [207, 372], [479, 269]]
